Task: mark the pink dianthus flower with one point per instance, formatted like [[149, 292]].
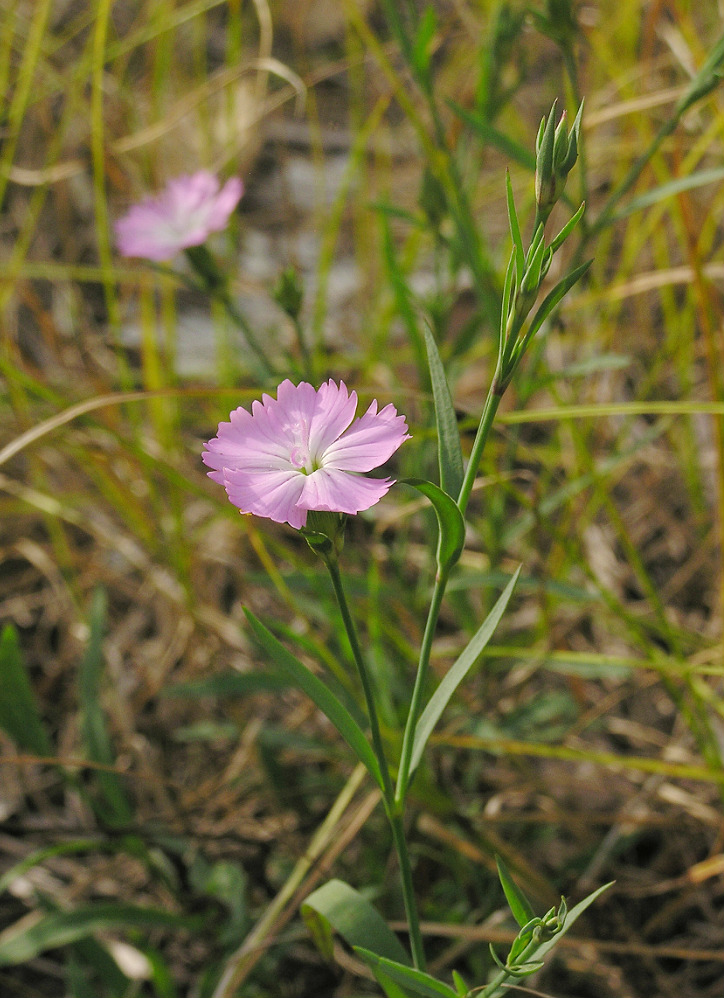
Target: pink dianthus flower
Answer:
[[184, 214], [302, 451]]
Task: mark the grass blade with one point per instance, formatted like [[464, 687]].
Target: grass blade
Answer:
[[19, 716], [305, 680]]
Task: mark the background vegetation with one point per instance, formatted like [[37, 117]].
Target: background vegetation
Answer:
[[165, 798]]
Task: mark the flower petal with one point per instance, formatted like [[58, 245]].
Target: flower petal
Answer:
[[274, 495], [338, 492], [295, 452], [334, 411], [184, 214], [369, 442]]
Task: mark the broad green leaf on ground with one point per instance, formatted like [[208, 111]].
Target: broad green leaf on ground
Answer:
[[441, 697], [305, 680], [39, 932], [337, 907], [450, 453], [19, 716], [450, 522]]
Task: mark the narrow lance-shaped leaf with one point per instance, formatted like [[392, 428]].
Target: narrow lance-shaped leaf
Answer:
[[450, 522], [552, 299], [570, 225], [519, 904], [514, 226], [450, 453], [114, 805], [19, 715], [415, 981], [305, 680], [442, 695]]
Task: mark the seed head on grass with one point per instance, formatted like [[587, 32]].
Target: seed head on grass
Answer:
[[183, 215], [304, 451]]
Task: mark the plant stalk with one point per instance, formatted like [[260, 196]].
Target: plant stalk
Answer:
[[392, 809]]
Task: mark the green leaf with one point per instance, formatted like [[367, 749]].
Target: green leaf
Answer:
[[441, 697], [449, 451], [114, 807], [19, 716], [305, 680], [514, 227], [33, 935], [570, 225], [337, 907], [552, 299], [422, 44], [416, 981], [450, 521], [519, 903], [460, 985]]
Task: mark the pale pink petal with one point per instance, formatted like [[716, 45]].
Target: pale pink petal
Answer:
[[184, 214], [328, 489], [295, 452], [369, 442], [244, 442], [270, 494], [335, 409]]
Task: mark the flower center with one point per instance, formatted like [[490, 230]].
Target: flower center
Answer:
[[299, 454]]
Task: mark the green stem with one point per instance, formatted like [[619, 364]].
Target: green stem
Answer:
[[240, 321], [393, 811], [214, 282], [408, 890], [486, 421]]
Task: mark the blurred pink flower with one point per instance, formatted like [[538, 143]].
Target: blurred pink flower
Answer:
[[302, 451], [183, 215]]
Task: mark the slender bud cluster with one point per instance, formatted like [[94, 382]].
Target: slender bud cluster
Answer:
[[556, 152]]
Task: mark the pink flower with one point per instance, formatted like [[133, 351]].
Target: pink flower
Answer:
[[183, 215], [302, 451]]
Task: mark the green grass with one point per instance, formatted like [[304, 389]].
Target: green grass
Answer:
[[585, 746]]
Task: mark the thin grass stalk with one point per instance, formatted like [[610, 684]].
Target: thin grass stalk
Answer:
[[98, 154]]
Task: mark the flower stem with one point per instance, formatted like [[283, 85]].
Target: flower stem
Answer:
[[486, 421], [393, 811], [240, 321]]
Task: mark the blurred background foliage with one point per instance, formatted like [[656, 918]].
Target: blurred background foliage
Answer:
[[165, 797]]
